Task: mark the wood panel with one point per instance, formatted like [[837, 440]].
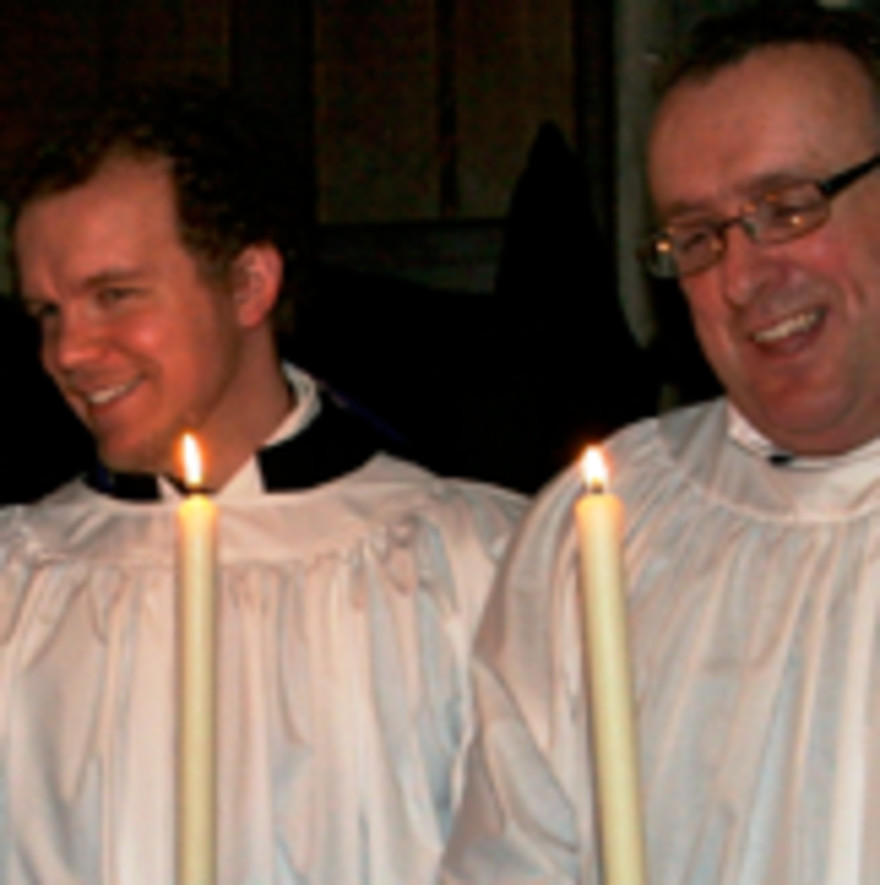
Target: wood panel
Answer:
[[57, 55], [426, 108], [514, 71], [50, 57], [375, 131]]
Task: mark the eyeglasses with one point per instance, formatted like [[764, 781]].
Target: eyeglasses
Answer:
[[783, 214]]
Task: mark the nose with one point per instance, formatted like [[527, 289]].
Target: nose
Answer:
[[746, 267], [71, 340]]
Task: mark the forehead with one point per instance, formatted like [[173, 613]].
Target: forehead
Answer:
[[126, 205], [776, 113]]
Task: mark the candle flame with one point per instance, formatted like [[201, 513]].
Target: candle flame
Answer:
[[193, 471], [594, 470]]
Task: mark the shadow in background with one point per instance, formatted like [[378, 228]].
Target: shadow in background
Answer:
[[573, 371], [42, 443], [506, 387]]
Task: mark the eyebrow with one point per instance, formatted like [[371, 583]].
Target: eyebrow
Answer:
[[752, 190], [112, 275], [108, 277]]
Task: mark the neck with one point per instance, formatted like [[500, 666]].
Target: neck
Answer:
[[235, 452], [256, 402]]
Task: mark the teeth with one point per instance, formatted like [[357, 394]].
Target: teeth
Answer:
[[791, 326], [101, 397]]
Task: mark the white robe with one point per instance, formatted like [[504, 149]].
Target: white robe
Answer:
[[753, 604], [347, 614]]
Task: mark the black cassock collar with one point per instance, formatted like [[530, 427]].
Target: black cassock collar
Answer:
[[338, 441]]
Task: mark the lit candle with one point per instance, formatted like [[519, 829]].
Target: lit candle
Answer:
[[599, 520], [196, 781]]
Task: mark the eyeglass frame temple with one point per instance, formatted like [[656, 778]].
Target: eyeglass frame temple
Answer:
[[832, 186]]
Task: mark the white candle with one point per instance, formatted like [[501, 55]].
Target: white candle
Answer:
[[196, 780], [599, 521]]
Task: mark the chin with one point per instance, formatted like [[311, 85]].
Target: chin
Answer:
[[811, 435], [799, 414], [142, 458]]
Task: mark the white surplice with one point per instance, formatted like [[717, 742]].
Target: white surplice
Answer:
[[753, 592], [347, 613]]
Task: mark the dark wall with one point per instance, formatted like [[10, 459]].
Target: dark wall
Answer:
[[41, 443]]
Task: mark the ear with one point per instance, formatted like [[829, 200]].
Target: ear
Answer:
[[256, 280]]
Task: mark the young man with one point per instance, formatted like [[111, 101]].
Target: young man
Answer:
[[151, 245], [753, 522]]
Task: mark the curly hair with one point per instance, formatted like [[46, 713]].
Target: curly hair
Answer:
[[231, 170]]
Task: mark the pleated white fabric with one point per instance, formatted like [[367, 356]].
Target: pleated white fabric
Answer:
[[753, 600], [347, 615]]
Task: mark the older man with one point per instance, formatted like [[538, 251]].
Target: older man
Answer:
[[753, 522], [152, 242]]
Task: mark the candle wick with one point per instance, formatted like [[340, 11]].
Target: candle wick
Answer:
[[180, 485], [186, 489], [596, 487]]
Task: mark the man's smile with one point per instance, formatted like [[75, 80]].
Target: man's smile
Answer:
[[790, 327], [105, 395]]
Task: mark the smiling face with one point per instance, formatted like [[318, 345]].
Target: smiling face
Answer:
[[791, 329], [138, 340]]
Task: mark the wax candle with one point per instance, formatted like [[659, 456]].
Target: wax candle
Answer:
[[599, 521], [196, 780]]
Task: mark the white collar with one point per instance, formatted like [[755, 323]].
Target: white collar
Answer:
[[747, 436]]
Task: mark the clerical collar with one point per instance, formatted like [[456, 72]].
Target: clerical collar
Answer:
[[749, 437], [319, 441]]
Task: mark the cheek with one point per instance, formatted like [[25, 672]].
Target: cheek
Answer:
[[845, 256], [150, 339], [714, 343], [49, 344], [47, 353], [863, 272], [192, 354], [710, 319]]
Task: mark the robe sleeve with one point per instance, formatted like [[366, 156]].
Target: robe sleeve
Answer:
[[524, 818]]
